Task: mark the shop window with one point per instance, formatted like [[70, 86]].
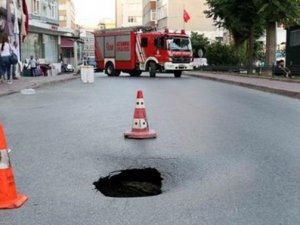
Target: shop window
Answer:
[[32, 45]]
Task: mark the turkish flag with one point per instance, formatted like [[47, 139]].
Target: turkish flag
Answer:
[[25, 24], [186, 16]]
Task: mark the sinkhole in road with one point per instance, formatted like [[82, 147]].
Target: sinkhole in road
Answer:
[[131, 183]]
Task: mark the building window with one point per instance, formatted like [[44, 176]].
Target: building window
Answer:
[[32, 45], [219, 39], [131, 19], [153, 15], [62, 7], [53, 10], [162, 12], [36, 6], [295, 38]]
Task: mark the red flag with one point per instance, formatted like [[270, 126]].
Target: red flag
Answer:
[[26, 22], [186, 16], [8, 27]]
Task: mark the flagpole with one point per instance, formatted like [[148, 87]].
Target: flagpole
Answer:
[[183, 17]]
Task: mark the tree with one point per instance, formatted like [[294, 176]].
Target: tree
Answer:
[[286, 12], [199, 42], [240, 18]]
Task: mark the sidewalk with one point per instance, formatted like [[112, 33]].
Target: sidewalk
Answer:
[[282, 86], [33, 82]]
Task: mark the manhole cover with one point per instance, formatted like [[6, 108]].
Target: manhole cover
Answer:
[[131, 183]]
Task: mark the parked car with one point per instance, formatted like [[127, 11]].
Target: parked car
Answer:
[[199, 62], [91, 61]]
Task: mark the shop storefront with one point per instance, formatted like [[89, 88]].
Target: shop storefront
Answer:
[[33, 45], [42, 42], [71, 50], [41, 46]]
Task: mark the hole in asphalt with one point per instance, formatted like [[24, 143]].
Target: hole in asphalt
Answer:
[[131, 183]]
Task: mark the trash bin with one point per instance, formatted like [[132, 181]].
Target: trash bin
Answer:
[[87, 74], [90, 74], [53, 70], [84, 74]]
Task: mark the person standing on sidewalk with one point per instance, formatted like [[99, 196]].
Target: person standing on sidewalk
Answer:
[[33, 64], [5, 59], [15, 49]]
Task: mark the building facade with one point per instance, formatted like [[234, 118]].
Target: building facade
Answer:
[[71, 45], [44, 32], [12, 20], [129, 13], [67, 14], [89, 43], [149, 13], [170, 15], [105, 23]]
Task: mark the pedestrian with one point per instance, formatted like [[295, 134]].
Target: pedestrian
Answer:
[[5, 60], [15, 50], [33, 64]]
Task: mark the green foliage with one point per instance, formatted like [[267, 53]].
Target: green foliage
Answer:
[[238, 16], [220, 54], [199, 42], [287, 12], [247, 20], [259, 50]]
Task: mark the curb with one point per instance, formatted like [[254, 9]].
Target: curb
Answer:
[[272, 78], [38, 85], [287, 93]]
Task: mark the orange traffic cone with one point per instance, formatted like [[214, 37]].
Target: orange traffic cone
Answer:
[[9, 198], [140, 127]]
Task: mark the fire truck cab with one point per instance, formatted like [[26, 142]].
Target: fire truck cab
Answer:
[[136, 49]]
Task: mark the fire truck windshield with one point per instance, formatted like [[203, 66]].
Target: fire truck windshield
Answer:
[[179, 44]]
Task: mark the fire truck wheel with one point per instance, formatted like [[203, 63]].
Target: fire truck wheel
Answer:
[[110, 69], [177, 73], [152, 69]]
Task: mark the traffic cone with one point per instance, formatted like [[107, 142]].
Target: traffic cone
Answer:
[[9, 198], [140, 127]]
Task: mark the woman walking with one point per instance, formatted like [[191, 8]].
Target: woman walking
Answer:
[[5, 62]]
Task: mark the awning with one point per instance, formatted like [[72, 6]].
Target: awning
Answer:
[[66, 43]]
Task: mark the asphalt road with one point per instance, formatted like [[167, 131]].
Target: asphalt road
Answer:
[[228, 155]]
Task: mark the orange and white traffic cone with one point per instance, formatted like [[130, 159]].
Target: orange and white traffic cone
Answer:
[[140, 127], [9, 198]]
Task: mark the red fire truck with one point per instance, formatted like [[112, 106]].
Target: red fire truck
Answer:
[[136, 49]]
